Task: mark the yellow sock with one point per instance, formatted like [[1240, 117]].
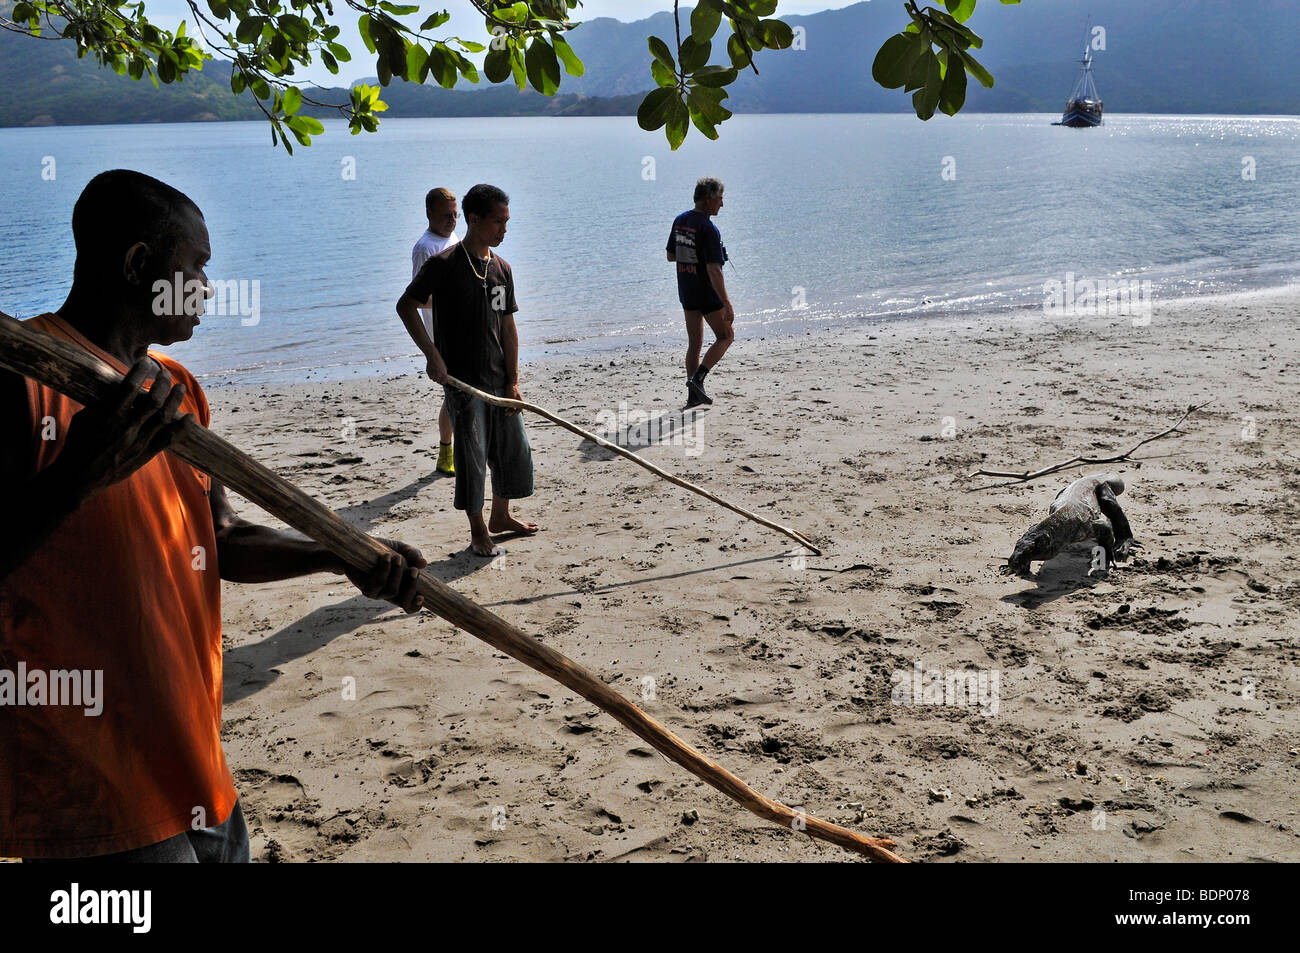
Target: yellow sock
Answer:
[[445, 464]]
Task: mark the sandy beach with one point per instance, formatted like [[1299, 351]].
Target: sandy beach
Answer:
[[1145, 714]]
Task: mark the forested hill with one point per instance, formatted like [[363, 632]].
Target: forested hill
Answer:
[[1160, 56]]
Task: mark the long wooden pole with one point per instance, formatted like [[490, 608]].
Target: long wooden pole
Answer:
[[628, 454], [88, 380]]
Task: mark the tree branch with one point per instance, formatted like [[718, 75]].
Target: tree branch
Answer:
[[1126, 455]]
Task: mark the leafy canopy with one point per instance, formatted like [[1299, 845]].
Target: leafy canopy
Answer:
[[265, 41]]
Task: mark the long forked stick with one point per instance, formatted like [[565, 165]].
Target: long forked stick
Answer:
[[657, 471], [86, 379], [1026, 476]]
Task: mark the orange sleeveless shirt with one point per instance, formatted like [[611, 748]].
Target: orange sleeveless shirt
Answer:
[[128, 587]]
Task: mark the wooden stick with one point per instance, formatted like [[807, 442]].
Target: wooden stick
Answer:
[[88, 380], [1117, 458], [657, 471]]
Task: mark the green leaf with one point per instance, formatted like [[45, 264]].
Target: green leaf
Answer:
[[292, 100], [659, 50], [517, 68], [328, 59], [918, 75], [679, 119], [925, 99], [496, 66], [516, 13], [705, 20], [694, 54], [471, 46], [249, 30], [703, 123], [417, 63], [704, 102], [895, 59], [443, 67], [953, 94], [715, 76], [340, 52], [398, 10], [975, 69], [572, 65], [303, 128], [363, 27], [961, 9], [543, 67], [295, 28], [435, 20], [965, 34], [775, 34], [653, 111], [740, 58], [663, 76], [467, 68]]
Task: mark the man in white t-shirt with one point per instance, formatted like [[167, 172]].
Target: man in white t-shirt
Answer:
[[440, 207]]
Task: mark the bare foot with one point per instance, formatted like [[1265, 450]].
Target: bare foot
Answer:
[[483, 546], [509, 524]]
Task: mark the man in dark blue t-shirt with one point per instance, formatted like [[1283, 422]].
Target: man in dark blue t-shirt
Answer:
[[696, 246]]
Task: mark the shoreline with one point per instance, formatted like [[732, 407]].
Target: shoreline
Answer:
[[936, 319]]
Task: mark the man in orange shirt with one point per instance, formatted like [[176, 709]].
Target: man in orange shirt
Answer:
[[110, 575]]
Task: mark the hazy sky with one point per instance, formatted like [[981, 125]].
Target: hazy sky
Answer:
[[464, 22]]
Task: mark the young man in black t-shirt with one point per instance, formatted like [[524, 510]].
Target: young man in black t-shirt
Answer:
[[695, 245], [472, 295]]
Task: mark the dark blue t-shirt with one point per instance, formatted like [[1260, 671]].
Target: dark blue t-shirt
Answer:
[[695, 243]]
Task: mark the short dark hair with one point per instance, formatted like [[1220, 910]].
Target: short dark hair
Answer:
[[482, 199], [118, 208], [433, 195], [708, 188]]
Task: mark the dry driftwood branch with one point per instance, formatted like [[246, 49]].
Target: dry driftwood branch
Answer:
[[1117, 458], [86, 379], [657, 471]]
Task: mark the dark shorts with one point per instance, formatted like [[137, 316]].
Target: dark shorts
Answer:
[[487, 437], [700, 300], [226, 843]]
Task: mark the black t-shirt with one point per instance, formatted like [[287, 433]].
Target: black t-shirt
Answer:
[[467, 312], [695, 243]]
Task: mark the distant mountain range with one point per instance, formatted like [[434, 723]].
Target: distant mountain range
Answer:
[[1194, 56]]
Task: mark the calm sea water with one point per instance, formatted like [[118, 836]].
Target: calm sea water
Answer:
[[849, 214]]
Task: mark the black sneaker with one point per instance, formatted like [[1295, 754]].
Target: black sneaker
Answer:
[[693, 399], [696, 390]]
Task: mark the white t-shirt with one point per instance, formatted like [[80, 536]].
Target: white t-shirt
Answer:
[[428, 246]]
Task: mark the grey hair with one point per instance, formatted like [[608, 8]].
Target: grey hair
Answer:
[[708, 188]]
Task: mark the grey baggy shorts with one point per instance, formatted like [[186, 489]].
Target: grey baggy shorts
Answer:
[[487, 437]]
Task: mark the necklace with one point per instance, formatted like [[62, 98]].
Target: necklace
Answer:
[[482, 277]]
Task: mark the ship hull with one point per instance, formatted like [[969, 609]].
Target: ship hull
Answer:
[[1081, 115]]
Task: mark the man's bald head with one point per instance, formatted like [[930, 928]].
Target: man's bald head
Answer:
[[121, 209]]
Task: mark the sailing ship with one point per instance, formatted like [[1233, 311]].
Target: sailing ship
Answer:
[[1084, 108]]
